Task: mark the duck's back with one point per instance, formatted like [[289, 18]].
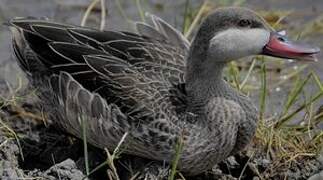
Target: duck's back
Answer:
[[107, 83]]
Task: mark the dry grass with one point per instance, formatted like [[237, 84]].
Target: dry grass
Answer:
[[12, 99]]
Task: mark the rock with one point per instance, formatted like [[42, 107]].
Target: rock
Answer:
[[64, 170], [319, 158], [10, 168], [232, 162], [9, 153], [318, 176]]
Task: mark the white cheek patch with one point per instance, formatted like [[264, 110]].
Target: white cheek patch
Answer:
[[236, 43]]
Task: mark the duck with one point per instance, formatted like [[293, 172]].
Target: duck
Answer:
[[153, 88]]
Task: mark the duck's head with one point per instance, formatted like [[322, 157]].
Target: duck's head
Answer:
[[231, 33]]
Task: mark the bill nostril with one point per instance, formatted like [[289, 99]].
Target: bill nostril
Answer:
[[282, 39]]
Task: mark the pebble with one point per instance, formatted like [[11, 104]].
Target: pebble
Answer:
[[318, 176]]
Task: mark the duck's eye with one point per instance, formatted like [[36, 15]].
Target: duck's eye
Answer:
[[244, 23]]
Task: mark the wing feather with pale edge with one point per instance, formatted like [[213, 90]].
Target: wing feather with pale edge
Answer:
[[135, 72]]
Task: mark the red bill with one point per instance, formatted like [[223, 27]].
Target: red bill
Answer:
[[280, 46]]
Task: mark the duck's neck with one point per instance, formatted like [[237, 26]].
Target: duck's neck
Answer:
[[204, 81], [203, 76]]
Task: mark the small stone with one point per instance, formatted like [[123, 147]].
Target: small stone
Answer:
[[320, 158], [266, 161], [318, 176], [232, 161], [216, 170]]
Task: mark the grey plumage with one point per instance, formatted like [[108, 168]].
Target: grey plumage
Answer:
[[149, 85]]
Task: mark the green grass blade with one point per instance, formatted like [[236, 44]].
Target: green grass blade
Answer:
[[140, 10], [287, 117], [196, 19], [239, 2], [121, 11], [234, 74], [295, 92], [317, 80], [186, 22], [179, 148], [263, 89], [105, 163], [290, 75], [245, 80], [84, 136]]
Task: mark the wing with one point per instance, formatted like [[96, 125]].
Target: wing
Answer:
[[75, 108], [137, 73], [163, 31]]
